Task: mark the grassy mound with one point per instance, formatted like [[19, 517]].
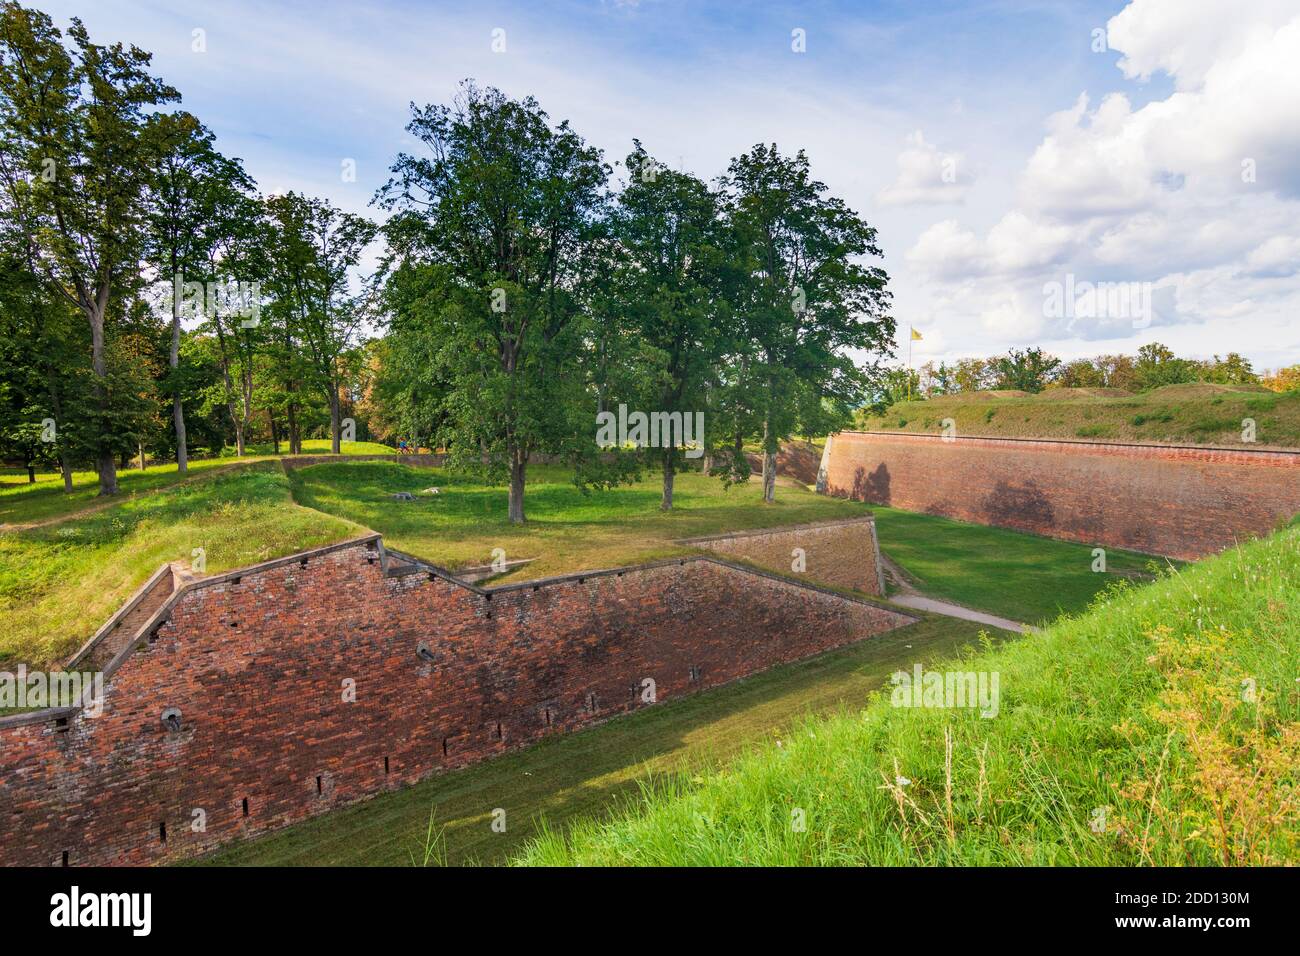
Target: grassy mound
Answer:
[[59, 583], [1160, 727], [1200, 413]]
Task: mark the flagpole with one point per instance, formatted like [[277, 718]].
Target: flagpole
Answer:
[[911, 332]]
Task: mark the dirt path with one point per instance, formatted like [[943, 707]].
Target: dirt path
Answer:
[[909, 596]]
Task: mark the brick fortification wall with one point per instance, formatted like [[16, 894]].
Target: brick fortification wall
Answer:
[[314, 681], [843, 554], [1183, 502]]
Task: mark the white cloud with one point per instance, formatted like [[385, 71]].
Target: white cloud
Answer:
[[1153, 194], [926, 176]]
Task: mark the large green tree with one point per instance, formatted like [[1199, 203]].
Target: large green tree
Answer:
[[502, 202], [810, 300], [668, 226], [76, 159], [314, 251]]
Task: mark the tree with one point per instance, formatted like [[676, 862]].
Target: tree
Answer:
[[973, 375], [314, 249], [1081, 373], [1157, 366], [668, 226], [502, 205], [75, 160], [1283, 380], [193, 206], [1028, 371], [1233, 369], [806, 299]]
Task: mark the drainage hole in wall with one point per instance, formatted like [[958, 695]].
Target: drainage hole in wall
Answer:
[[162, 833], [444, 746], [65, 857], [499, 737], [319, 787], [245, 806], [385, 765]]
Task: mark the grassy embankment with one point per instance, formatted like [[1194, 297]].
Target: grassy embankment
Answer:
[[1160, 727], [59, 583], [1200, 414]]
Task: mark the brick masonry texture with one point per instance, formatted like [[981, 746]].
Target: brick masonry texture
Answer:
[[1183, 502], [261, 663], [842, 554]]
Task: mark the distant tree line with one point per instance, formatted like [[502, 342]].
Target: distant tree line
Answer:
[[1033, 370], [154, 304]]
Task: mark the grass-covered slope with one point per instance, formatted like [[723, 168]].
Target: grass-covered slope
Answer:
[[1159, 727], [1199, 414], [59, 583], [23, 502]]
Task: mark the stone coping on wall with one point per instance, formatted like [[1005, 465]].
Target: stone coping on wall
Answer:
[[1266, 455], [409, 565], [778, 529]]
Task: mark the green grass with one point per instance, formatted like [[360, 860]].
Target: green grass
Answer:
[[597, 770], [1178, 414], [60, 582], [1021, 576], [22, 502], [566, 530], [1123, 737]]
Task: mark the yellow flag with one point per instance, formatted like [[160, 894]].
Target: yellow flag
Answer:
[[916, 336]]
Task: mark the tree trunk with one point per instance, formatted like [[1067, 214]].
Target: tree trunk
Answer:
[[178, 413], [104, 462], [769, 465], [669, 473], [335, 445], [275, 431], [66, 467], [295, 441], [518, 465], [140, 446], [31, 473]]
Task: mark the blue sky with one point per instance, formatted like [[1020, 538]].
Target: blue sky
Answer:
[[1041, 185]]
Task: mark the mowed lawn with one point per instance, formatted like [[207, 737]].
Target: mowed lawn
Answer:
[[600, 770], [1021, 576], [566, 530], [23, 502]]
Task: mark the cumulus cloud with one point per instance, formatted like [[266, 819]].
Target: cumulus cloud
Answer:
[[1195, 194], [926, 176]]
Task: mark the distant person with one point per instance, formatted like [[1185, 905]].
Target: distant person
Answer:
[[401, 447]]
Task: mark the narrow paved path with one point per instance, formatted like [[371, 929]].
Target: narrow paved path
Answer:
[[909, 596]]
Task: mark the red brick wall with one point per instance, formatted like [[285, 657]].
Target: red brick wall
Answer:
[[257, 663], [1179, 501], [839, 553]]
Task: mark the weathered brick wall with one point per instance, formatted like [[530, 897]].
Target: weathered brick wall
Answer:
[[842, 554], [1183, 502], [260, 662]]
